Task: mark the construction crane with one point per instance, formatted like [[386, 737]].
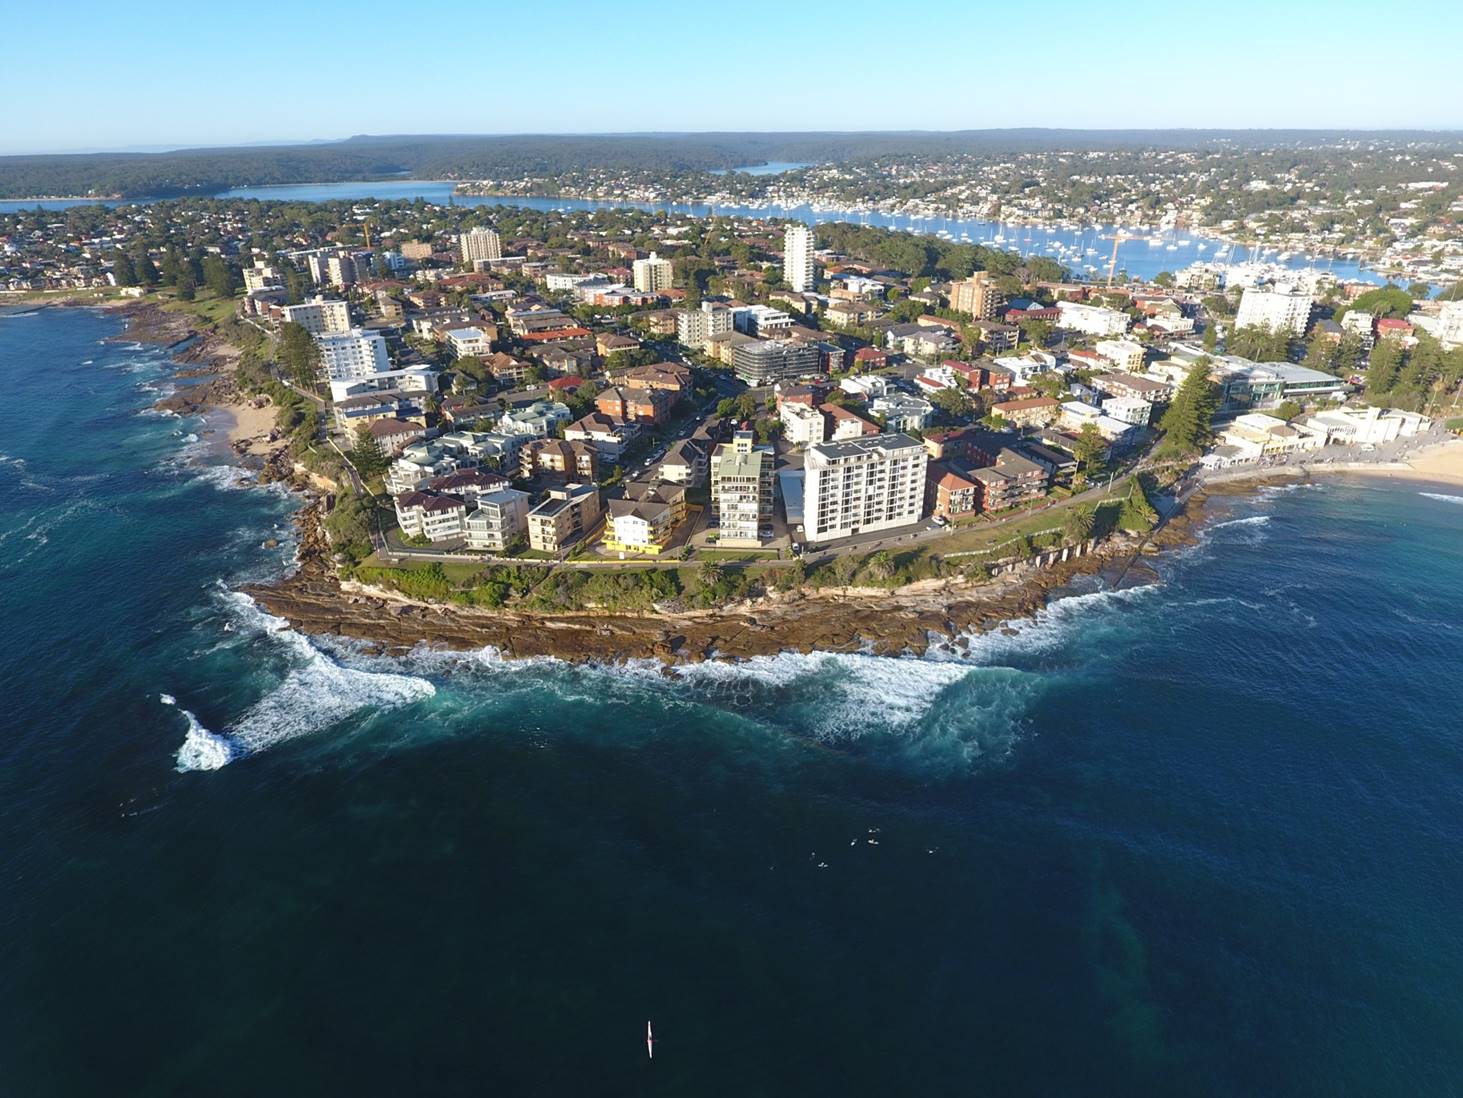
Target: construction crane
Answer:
[[1112, 264]]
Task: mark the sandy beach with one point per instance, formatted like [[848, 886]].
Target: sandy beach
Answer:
[[251, 425], [1443, 463]]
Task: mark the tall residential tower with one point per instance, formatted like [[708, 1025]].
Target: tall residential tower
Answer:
[[797, 258]]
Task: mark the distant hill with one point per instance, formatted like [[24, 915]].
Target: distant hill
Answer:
[[208, 171]]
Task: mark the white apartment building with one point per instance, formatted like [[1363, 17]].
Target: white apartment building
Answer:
[[652, 275], [862, 485], [797, 258], [760, 320], [501, 518], [1280, 310], [866, 386], [697, 327], [1125, 354], [469, 341], [1132, 410], [741, 490], [901, 412], [261, 276], [568, 280], [319, 316], [1450, 325], [352, 355], [1091, 319], [479, 246], [801, 424]]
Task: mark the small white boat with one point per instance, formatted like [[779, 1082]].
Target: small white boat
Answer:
[[649, 1042]]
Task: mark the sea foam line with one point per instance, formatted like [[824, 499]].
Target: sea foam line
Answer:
[[315, 693], [1442, 497]]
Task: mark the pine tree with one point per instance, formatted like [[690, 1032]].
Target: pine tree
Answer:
[[123, 270], [367, 455], [1186, 424], [1382, 368], [218, 277], [1090, 449]]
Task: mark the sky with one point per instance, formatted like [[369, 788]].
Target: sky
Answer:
[[92, 75]]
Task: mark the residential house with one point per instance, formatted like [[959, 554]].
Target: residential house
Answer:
[[394, 435]]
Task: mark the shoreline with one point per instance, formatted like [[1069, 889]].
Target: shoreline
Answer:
[[928, 615], [940, 615], [1438, 463]]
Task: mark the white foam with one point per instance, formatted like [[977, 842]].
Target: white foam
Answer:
[[1047, 629], [858, 693], [315, 693], [202, 749], [1442, 497], [1252, 520]]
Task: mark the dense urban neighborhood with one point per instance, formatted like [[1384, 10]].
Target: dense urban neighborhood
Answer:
[[508, 386]]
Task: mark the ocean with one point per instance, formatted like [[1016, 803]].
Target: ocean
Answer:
[[1200, 837]]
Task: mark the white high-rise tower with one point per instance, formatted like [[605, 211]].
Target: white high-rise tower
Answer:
[[797, 258]]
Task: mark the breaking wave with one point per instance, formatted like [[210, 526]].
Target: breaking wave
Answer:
[[314, 694], [1252, 520], [201, 749], [1442, 497]]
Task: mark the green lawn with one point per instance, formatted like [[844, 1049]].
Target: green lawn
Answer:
[[206, 307], [458, 572]]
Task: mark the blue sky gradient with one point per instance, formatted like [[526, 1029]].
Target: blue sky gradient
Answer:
[[96, 75]]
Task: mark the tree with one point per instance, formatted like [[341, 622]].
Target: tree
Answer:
[[1388, 300], [1288, 410], [1260, 344], [844, 568], [1164, 279], [218, 276], [1211, 337], [367, 455], [1078, 523], [1049, 384], [880, 566], [123, 270], [1382, 368], [1186, 424], [299, 354], [953, 402], [1036, 331], [147, 272], [1090, 449]]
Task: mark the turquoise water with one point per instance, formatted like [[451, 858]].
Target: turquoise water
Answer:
[[1196, 838]]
